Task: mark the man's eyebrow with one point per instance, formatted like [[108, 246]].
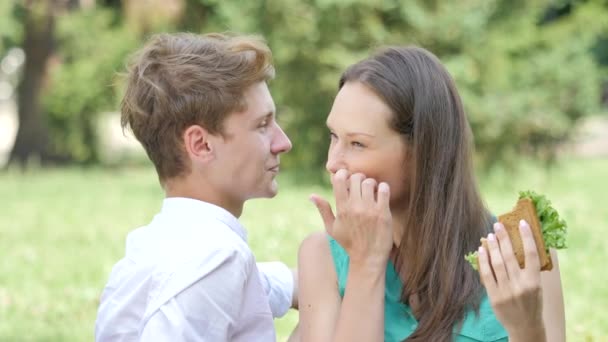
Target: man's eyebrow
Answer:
[[270, 114], [266, 116]]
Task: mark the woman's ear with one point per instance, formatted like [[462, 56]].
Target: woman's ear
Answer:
[[198, 144]]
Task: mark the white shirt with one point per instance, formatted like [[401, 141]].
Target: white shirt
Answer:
[[190, 276]]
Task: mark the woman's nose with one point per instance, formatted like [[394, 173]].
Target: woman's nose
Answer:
[[335, 161]]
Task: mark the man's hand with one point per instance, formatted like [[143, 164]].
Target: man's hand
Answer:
[[294, 297]]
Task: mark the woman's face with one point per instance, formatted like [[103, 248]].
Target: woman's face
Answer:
[[362, 140]]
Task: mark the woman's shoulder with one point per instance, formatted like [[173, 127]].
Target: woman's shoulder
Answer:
[[483, 326], [320, 243], [321, 251], [314, 246], [318, 248], [315, 267]]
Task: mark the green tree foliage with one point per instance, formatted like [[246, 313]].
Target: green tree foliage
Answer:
[[526, 69], [10, 30], [525, 80], [526, 84], [92, 49]]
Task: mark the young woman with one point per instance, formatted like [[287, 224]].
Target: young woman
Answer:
[[391, 266]]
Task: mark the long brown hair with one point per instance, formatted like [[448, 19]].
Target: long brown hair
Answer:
[[446, 213]]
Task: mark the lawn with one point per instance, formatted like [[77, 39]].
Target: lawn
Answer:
[[62, 230]]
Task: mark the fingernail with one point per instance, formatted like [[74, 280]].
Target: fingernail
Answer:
[[491, 237], [497, 227], [481, 250], [522, 223]]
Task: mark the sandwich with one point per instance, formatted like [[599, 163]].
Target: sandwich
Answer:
[[548, 229]]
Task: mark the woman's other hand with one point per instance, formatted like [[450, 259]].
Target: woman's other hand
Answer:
[[515, 293]]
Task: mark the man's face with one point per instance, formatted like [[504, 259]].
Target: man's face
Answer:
[[248, 154]]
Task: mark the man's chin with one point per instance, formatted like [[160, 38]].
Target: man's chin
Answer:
[[272, 190], [269, 192]]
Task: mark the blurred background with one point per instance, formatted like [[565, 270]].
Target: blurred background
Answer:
[[533, 76]]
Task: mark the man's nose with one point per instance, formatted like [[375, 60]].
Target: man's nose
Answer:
[[281, 143]]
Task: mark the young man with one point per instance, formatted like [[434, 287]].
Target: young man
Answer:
[[201, 108]]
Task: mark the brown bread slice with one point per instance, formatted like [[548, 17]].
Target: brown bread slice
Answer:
[[524, 209]]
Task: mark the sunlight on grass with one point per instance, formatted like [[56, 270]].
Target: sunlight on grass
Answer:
[[62, 230]]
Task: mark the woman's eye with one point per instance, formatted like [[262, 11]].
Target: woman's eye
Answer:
[[357, 144]]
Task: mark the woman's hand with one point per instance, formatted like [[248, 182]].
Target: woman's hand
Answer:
[[515, 293], [363, 223]]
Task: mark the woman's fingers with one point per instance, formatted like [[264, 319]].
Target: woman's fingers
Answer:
[[498, 264], [360, 225], [506, 249], [340, 186], [384, 197], [517, 299], [326, 213], [355, 186], [530, 251], [368, 190], [485, 271]]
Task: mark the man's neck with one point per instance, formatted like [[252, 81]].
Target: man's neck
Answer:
[[201, 191]]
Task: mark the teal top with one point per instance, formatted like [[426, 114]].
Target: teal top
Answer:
[[399, 322]]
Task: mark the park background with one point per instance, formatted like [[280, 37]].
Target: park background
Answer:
[[533, 76]]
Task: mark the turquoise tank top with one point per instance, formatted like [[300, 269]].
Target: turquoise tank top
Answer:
[[399, 321]]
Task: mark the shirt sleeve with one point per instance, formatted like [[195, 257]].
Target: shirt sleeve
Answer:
[[204, 311], [277, 280]]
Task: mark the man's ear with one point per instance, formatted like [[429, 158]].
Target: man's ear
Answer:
[[198, 144]]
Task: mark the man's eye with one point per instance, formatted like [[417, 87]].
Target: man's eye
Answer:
[[333, 135], [357, 144]]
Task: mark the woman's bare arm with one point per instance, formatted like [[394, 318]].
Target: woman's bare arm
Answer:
[[554, 314], [324, 316], [319, 300]]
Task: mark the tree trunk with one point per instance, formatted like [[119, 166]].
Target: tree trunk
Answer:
[[33, 133]]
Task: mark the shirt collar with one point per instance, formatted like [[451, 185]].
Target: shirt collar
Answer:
[[182, 206]]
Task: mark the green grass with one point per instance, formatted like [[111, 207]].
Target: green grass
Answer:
[[62, 230]]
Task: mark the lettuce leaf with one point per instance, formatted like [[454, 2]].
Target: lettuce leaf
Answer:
[[472, 259], [554, 229]]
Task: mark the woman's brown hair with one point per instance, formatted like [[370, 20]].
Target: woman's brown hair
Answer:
[[446, 215]]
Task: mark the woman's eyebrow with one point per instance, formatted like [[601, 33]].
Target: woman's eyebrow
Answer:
[[350, 134]]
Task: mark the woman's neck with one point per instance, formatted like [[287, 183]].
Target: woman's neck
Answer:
[[399, 217]]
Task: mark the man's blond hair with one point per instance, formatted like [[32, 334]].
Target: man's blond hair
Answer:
[[179, 80]]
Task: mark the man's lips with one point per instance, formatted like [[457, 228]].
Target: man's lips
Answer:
[[274, 169]]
